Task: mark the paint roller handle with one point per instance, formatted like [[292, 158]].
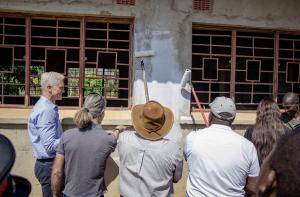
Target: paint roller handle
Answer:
[[199, 107], [142, 65], [145, 81]]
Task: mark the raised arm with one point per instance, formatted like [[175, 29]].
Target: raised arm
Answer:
[[119, 129]]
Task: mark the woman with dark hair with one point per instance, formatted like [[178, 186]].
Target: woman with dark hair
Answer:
[[82, 152], [268, 128]]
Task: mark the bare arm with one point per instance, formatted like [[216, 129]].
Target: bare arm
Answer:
[[267, 181], [250, 187], [56, 176], [119, 129]]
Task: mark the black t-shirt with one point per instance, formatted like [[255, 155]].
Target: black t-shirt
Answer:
[[248, 133]]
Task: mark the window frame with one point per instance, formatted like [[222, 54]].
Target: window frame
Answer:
[[275, 93], [28, 19]]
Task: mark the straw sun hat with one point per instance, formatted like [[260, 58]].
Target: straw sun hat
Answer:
[[152, 121]]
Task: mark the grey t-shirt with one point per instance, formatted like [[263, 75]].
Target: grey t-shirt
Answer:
[[85, 152]]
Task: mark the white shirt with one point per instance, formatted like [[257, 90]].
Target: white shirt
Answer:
[[147, 167], [219, 161]]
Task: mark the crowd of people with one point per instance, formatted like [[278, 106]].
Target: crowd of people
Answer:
[[263, 162]]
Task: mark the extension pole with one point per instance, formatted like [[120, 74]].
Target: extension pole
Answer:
[[199, 107], [145, 81]]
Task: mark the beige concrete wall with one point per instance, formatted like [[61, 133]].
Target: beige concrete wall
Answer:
[[13, 125], [24, 164]]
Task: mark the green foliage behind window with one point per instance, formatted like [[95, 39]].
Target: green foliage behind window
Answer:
[[35, 80], [14, 82], [93, 82]]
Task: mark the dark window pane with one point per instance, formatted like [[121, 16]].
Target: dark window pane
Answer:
[[6, 60], [56, 60], [210, 67], [119, 26], [106, 60], [62, 23], [253, 70], [292, 72]]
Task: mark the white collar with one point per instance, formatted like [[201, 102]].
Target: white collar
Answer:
[[219, 126]]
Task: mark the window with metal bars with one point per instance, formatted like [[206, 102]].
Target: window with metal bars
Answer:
[[57, 45], [107, 52], [289, 62], [211, 53], [126, 2], [241, 64], [12, 62], [203, 5], [254, 68]]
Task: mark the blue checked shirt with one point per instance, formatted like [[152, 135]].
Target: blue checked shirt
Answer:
[[44, 129]]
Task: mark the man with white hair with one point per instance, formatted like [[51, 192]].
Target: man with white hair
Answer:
[[45, 129]]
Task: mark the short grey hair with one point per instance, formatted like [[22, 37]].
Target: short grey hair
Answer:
[[50, 79]]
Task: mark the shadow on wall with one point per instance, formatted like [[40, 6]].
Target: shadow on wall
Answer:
[[111, 171], [67, 123], [185, 93]]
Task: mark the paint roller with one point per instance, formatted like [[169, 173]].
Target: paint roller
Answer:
[[141, 54], [186, 79]]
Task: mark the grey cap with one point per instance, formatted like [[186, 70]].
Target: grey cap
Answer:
[[223, 104]]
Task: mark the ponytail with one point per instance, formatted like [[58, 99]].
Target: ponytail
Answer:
[[94, 106], [83, 118]]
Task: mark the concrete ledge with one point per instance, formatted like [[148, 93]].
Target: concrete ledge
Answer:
[[20, 116], [112, 117], [115, 117]]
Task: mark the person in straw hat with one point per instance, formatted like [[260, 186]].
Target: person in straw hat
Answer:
[[149, 161]]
